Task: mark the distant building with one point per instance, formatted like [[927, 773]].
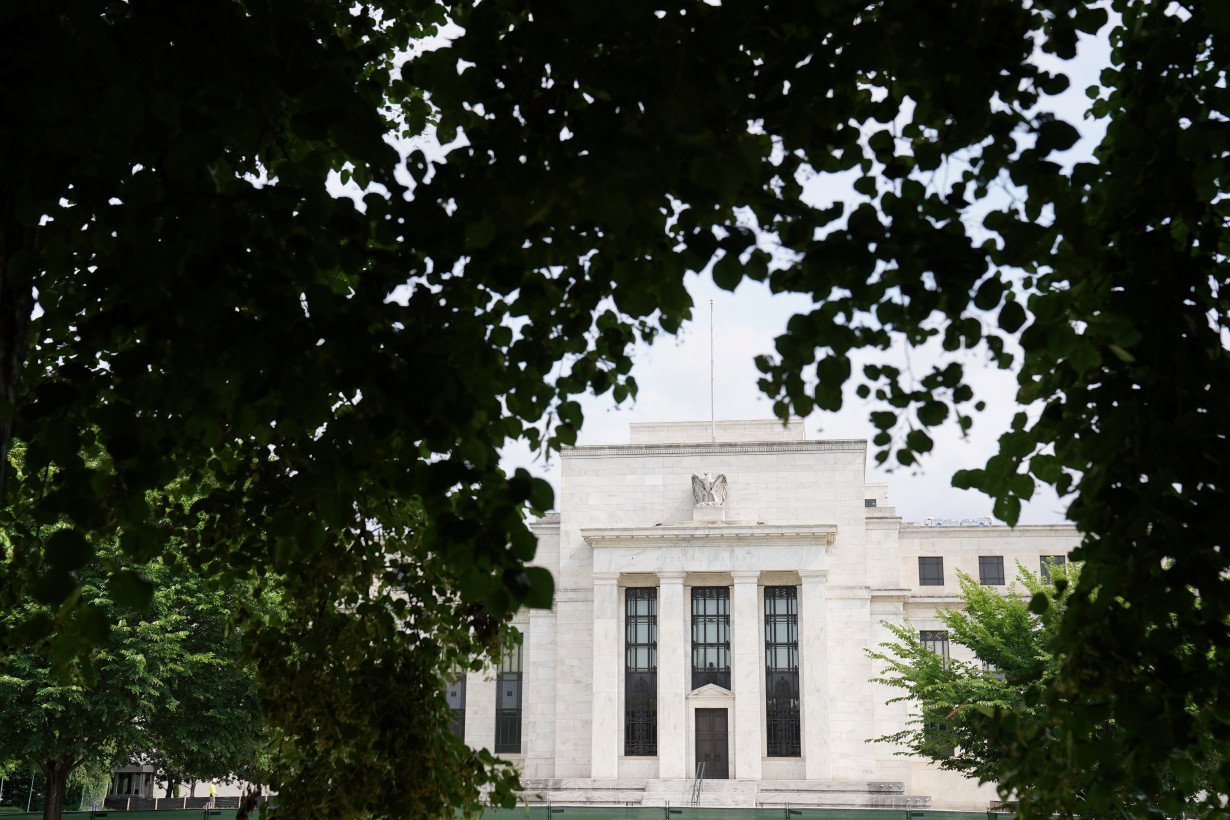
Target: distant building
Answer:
[[714, 601], [141, 787]]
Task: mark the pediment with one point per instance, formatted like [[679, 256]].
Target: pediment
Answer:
[[711, 690]]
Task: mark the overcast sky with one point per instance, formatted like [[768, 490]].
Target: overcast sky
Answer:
[[673, 375]]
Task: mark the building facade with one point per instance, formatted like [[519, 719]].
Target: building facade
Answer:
[[717, 587]]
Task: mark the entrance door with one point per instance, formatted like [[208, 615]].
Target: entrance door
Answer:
[[712, 743]]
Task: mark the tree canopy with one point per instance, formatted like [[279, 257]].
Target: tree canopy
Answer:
[[955, 699], [208, 312], [969, 712], [164, 677]]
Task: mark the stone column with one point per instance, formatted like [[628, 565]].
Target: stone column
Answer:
[[747, 672], [480, 709], [538, 695], [889, 718], [814, 674], [674, 661], [607, 675]]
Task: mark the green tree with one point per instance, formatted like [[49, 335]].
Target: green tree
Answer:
[[151, 670], [968, 715], [212, 726], [954, 699], [165, 197]]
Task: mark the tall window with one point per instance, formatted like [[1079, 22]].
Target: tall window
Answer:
[[711, 636], [641, 671], [991, 570], [781, 649], [1048, 561], [936, 732], [455, 694], [936, 640], [508, 703], [931, 571]]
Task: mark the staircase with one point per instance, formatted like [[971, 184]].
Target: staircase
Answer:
[[837, 794], [585, 791], [803, 794], [713, 793]]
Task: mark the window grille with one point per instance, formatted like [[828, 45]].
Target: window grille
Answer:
[[710, 636], [508, 703], [455, 694], [781, 647], [641, 671], [1048, 561], [936, 640], [931, 571], [991, 570]]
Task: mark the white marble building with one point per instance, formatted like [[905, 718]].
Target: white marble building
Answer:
[[782, 585]]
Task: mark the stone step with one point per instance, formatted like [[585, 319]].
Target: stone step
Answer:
[[837, 794]]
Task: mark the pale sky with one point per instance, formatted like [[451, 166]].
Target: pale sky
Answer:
[[673, 375]]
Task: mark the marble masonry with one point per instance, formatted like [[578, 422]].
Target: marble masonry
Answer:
[[716, 590]]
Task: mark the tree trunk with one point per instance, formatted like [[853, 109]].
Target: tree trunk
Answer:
[[248, 803], [55, 772]]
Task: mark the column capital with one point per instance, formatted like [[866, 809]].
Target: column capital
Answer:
[[814, 575], [606, 578], [743, 576], [671, 576]]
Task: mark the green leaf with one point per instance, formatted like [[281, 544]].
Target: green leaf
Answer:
[[1007, 509], [1039, 603], [131, 590], [68, 550], [1012, 317], [919, 441], [1056, 135], [541, 588], [53, 586]]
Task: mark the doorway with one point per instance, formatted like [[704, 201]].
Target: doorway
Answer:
[[712, 743]]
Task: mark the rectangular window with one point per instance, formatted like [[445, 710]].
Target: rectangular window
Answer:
[[931, 572], [1048, 561], [936, 640], [508, 703], [455, 694], [938, 735], [991, 570], [711, 636], [781, 649], [641, 671], [869, 502]]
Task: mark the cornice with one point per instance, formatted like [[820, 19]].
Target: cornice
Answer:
[[934, 600], [550, 521], [847, 593], [668, 535], [996, 531], [713, 448], [884, 522]]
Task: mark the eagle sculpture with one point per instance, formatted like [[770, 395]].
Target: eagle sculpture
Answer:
[[709, 490]]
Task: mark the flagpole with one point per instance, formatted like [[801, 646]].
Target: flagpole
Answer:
[[712, 416]]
